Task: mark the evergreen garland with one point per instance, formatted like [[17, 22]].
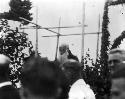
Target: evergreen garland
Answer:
[[117, 2], [118, 40], [105, 43], [105, 33], [105, 36]]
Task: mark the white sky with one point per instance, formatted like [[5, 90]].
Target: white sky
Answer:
[[70, 11]]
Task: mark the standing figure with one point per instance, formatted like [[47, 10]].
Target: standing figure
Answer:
[[65, 54], [78, 88]]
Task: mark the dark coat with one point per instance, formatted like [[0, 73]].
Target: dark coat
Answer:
[[9, 92]]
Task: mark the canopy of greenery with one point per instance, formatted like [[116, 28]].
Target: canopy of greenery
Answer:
[[18, 8]]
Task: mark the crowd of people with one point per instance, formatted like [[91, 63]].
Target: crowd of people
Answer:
[[44, 79]]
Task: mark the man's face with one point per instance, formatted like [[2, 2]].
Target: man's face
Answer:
[[114, 59], [118, 88]]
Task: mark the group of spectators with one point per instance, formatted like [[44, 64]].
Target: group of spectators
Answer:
[[44, 79]]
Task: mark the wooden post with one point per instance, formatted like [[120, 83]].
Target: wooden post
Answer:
[[97, 50], [83, 30], [36, 50], [58, 39]]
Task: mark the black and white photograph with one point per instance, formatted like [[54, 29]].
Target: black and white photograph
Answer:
[[62, 49]]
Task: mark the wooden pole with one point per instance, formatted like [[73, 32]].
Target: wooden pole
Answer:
[[36, 50], [58, 39], [97, 50], [83, 30], [38, 26]]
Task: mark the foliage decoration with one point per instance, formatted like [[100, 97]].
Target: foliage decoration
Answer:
[[18, 8], [105, 41], [105, 34], [117, 2], [93, 74], [12, 44], [118, 40]]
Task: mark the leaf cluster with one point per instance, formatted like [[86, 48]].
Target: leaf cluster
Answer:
[[12, 44], [18, 8], [97, 76]]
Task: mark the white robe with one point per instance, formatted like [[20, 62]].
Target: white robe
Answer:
[[80, 90]]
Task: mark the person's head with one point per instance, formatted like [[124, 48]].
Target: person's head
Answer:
[[40, 79], [115, 57], [118, 84], [63, 53], [4, 67], [72, 70], [63, 48]]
